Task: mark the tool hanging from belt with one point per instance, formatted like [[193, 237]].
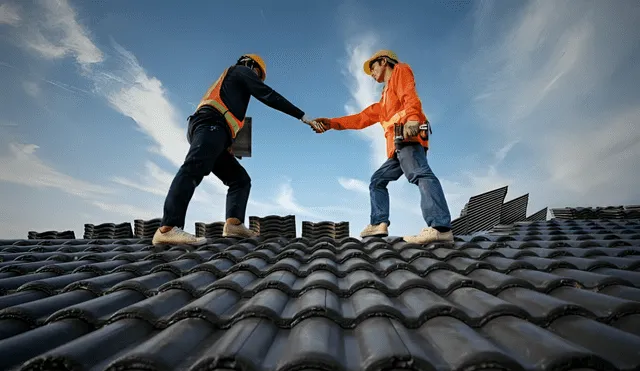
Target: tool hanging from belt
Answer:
[[398, 129]]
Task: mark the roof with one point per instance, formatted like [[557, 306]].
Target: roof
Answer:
[[541, 295]]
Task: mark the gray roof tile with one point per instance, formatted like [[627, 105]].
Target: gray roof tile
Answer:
[[531, 296]]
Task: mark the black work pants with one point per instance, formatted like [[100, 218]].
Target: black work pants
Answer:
[[209, 138]]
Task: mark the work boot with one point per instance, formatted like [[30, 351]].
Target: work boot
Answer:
[[176, 236], [378, 230], [429, 234], [237, 230]]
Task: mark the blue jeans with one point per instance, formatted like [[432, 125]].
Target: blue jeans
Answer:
[[411, 160], [209, 139]]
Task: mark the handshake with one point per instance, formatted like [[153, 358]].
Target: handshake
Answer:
[[319, 125]]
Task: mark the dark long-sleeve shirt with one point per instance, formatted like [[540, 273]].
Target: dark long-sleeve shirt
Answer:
[[241, 83], [237, 88]]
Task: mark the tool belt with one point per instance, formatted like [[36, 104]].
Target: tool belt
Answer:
[[398, 132]]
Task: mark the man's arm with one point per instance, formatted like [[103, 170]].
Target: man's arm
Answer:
[[267, 95], [406, 90], [367, 117]]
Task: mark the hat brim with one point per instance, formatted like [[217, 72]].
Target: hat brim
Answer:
[[366, 67]]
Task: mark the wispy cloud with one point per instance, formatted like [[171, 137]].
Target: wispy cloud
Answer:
[[122, 82], [131, 91], [29, 83], [126, 210], [396, 199], [286, 201], [31, 88], [554, 82], [23, 166], [10, 14], [54, 32], [156, 181], [354, 185], [364, 92]]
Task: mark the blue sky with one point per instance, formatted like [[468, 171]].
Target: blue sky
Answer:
[[538, 96]]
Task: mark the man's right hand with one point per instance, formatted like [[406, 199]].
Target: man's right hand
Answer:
[[323, 124], [316, 126]]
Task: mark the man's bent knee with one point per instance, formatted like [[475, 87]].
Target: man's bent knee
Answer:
[[420, 173], [196, 168], [243, 181], [377, 183]]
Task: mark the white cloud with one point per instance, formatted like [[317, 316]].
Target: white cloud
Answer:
[[123, 83], [354, 185], [396, 197], [22, 166], [364, 92], [598, 162], [54, 32], [32, 88], [131, 91], [553, 81], [157, 181], [9, 14], [286, 201], [127, 210]]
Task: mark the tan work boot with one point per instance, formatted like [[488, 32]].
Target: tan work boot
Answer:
[[234, 228], [429, 234], [176, 236], [378, 230]]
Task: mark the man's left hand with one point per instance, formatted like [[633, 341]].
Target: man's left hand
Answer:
[[411, 129]]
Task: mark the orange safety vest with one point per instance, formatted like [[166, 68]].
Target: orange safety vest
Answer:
[[389, 133], [212, 98]]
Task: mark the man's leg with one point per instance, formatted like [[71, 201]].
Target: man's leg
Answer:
[[435, 211], [379, 195], [233, 175], [208, 142]]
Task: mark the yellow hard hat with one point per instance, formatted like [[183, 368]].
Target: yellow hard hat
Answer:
[[259, 61], [379, 54]]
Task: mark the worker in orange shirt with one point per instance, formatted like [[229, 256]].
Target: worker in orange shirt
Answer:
[[399, 104], [212, 129]]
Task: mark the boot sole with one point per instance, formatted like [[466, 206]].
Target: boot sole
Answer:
[[430, 241], [238, 236], [162, 243], [375, 235]]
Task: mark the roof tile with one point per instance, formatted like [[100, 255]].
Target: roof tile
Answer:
[[566, 297]]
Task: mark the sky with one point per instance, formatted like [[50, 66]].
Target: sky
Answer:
[[535, 95]]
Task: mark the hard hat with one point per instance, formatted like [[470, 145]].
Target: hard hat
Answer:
[[381, 53], [256, 58]]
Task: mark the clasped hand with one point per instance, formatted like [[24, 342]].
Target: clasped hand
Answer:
[[319, 125]]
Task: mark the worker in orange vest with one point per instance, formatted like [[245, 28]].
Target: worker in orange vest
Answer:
[[400, 107], [212, 129]]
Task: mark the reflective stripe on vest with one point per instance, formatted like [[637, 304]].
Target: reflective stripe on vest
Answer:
[[394, 119], [212, 98]]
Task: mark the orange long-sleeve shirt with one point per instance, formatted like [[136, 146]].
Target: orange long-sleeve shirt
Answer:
[[399, 103]]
